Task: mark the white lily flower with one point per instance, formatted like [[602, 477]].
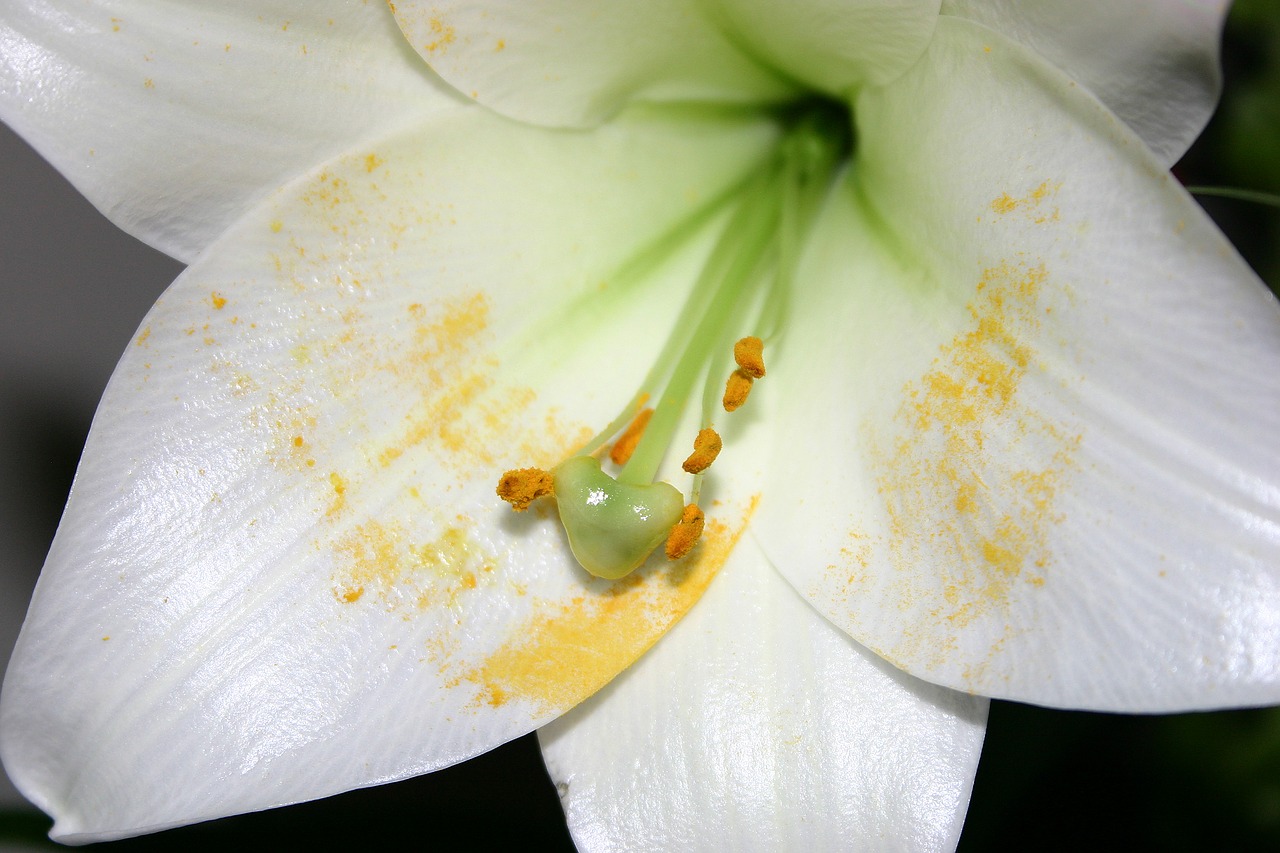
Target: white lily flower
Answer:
[[1015, 435]]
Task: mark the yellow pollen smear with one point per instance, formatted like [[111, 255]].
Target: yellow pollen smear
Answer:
[[686, 533], [749, 354], [626, 443], [568, 651], [522, 486], [706, 447], [736, 390], [977, 455]]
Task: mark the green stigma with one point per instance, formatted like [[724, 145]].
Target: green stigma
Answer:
[[741, 294], [612, 526]]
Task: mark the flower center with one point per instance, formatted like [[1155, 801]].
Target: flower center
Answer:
[[737, 307]]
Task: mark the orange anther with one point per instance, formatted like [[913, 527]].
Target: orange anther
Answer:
[[749, 353], [706, 447], [626, 443], [686, 532], [522, 486], [736, 390]]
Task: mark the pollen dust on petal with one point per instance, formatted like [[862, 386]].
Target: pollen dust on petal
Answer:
[[1032, 204], [381, 562], [969, 487], [441, 35], [568, 650], [463, 408]]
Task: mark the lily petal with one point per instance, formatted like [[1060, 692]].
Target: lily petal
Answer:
[[834, 46], [1154, 63], [283, 571], [175, 118], [546, 62], [1046, 391], [756, 725]]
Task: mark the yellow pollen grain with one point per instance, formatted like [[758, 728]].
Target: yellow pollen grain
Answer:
[[339, 493], [568, 650], [686, 533], [276, 225], [706, 447], [736, 390], [1030, 204], [142, 336], [749, 354], [443, 36], [626, 443], [1004, 204], [522, 486], [218, 300]]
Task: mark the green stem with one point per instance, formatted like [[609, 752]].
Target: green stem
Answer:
[[1255, 196]]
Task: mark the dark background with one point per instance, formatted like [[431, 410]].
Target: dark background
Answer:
[[73, 290]]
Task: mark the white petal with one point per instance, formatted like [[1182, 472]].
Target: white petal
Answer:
[[834, 46], [552, 62], [1154, 63], [755, 725], [175, 118], [283, 571], [1046, 393]]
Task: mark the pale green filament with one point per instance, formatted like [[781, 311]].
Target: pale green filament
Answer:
[[614, 524], [695, 306], [728, 296]]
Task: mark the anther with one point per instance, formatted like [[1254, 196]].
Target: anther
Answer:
[[686, 533], [749, 354], [706, 447], [522, 486], [736, 390], [626, 443]]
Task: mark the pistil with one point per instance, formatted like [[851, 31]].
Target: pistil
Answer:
[[614, 524]]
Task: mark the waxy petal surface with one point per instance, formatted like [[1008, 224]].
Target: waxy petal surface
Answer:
[[1046, 391], [834, 46], [175, 118], [756, 725], [283, 571], [552, 62], [1154, 63]]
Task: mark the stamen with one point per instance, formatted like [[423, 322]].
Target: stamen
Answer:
[[749, 354], [736, 390], [522, 486], [626, 443], [706, 447], [613, 523], [686, 533]]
